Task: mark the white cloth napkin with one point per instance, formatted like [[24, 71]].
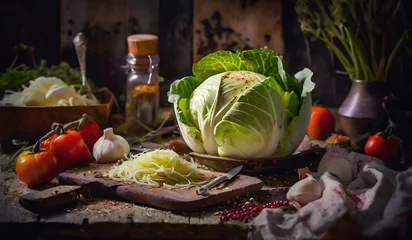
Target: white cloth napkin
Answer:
[[379, 198]]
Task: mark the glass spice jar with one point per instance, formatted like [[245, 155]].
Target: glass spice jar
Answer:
[[142, 87]]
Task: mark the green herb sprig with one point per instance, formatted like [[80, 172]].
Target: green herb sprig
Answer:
[[359, 32], [14, 78]]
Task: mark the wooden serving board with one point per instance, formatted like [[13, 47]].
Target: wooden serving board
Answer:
[[177, 199]]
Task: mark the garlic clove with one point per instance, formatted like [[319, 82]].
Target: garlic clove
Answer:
[[305, 191]]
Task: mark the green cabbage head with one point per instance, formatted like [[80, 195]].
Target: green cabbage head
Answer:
[[243, 105]]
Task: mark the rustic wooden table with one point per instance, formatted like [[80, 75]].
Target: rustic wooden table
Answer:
[[109, 218], [97, 217]]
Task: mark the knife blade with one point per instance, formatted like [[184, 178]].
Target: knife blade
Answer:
[[225, 177]]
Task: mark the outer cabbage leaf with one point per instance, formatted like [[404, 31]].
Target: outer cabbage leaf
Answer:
[[233, 86], [304, 77], [296, 129], [191, 135], [179, 94], [263, 61], [260, 61], [203, 108], [214, 97], [252, 127], [292, 103], [182, 88], [298, 124], [217, 62]]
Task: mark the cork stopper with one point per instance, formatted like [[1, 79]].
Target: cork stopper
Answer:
[[142, 44]]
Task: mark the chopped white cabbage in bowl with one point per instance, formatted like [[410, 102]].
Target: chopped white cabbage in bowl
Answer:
[[46, 91]]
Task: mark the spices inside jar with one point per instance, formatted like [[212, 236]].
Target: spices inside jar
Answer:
[[147, 92], [142, 105]]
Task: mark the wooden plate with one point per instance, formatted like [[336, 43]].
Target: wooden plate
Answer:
[[31, 123], [259, 165]]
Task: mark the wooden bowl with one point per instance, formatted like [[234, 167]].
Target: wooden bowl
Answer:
[[259, 165], [31, 123]]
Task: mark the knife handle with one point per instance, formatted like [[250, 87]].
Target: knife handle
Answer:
[[204, 189]]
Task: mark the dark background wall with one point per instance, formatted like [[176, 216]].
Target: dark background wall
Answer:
[[50, 25]]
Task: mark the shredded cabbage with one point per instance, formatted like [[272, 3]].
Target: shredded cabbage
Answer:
[[38, 94], [159, 168]]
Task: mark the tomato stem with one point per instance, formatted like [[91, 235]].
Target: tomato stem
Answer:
[[35, 148], [60, 129], [74, 124], [83, 120], [389, 130]]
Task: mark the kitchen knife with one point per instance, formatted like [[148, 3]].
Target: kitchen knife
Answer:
[[226, 177]]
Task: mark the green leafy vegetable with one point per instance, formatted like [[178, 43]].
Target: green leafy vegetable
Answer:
[[243, 104]]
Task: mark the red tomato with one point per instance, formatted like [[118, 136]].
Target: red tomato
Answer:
[[86, 155], [69, 149], [321, 123], [46, 143], [91, 133], [386, 150], [36, 168]]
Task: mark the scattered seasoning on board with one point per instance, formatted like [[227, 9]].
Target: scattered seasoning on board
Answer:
[[97, 174]]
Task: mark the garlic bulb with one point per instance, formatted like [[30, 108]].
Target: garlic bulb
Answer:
[[110, 147], [339, 167], [305, 191]]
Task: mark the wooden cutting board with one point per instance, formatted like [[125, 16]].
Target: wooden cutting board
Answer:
[[178, 199]]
